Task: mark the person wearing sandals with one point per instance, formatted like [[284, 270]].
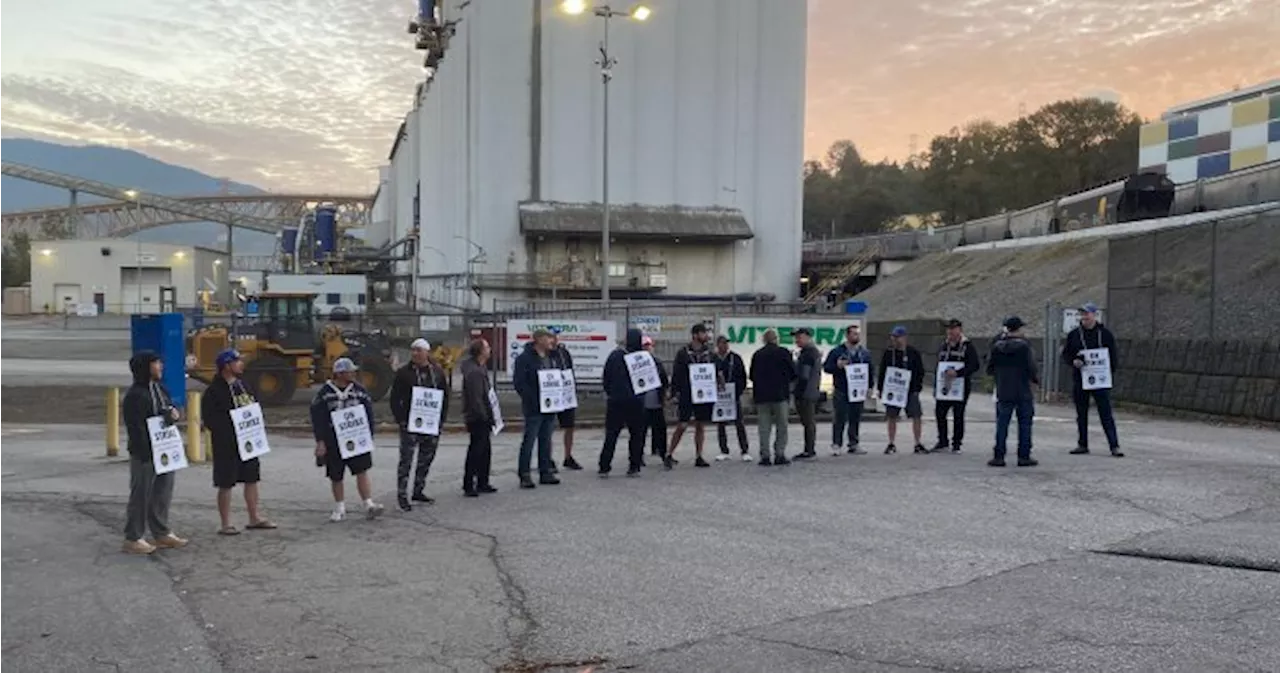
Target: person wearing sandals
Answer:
[[343, 392], [149, 493], [226, 393]]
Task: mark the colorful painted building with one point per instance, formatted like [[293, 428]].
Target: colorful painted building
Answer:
[[1217, 135]]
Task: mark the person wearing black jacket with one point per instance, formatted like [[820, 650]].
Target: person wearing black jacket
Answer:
[[150, 494], [955, 348], [343, 392], [538, 426], [848, 353], [1013, 364], [420, 372], [696, 353], [731, 373], [903, 356], [566, 419], [478, 414], [1091, 334], [772, 371], [226, 393], [623, 408], [655, 408]]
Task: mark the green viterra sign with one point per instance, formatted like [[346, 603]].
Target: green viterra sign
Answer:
[[746, 334]]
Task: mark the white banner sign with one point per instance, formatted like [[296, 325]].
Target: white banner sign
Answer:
[[858, 376], [351, 426], [726, 408], [589, 342], [550, 391], [497, 411], [425, 410], [569, 396], [251, 431], [746, 334], [1096, 372], [948, 390], [702, 383], [643, 371], [167, 453], [897, 383]]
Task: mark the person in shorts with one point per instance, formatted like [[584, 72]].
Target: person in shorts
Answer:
[[566, 419], [903, 356], [695, 353], [343, 392], [226, 393]]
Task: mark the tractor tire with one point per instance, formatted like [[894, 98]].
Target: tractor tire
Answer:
[[376, 376], [272, 379]]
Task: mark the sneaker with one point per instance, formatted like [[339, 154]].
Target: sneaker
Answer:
[[1117, 453], [169, 541], [920, 449], [571, 464], [404, 502], [939, 447], [337, 515], [526, 482], [857, 450], [722, 457], [955, 450], [891, 449], [668, 462], [1027, 462], [701, 463], [781, 460], [470, 493], [140, 547], [746, 458], [421, 497], [806, 455], [1079, 450], [603, 473], [548, 480], [996, 462], [633, 473], [373, 511], [765, 462], [836, 450], [487, 489]]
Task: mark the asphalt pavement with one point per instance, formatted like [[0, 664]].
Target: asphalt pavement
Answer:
[[1161, 561]]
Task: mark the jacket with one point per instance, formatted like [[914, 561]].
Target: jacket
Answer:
[[144, 399], [772, 372], [524, 376], [680, 382], [907, 358], [808, 374], [1013, 364], [616, 378], [856, 354], [407, 378], [964, 352], [562, 358], [215, 412], [330, 399], [733, 370], [475, 393], [1080, 339]]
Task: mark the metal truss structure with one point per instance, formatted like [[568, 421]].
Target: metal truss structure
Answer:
[[132, 211]]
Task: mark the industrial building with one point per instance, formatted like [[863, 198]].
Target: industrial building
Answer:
[[500, 160], [1214, 136], [118, 276]]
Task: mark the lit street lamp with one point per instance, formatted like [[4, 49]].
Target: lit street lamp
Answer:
[[606, 63]]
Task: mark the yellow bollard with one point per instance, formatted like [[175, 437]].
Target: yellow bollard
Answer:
[[195, 452], [113, 422]]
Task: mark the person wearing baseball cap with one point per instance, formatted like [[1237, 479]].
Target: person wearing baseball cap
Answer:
[[342, 391], [1013, 364], [900, 355], [420, 372], [956, 348], [226, 393], [807, 389], [1091, 335], [538, 427], [696, 353]]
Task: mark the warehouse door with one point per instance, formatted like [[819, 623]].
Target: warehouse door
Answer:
[[140, 288], [66, 297]]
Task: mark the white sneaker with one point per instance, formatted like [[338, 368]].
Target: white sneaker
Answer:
[[746, 458], [373, 511], [337, 515], [722, 457], [836, 450]]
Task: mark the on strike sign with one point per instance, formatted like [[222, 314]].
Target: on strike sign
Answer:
[[589, 342]]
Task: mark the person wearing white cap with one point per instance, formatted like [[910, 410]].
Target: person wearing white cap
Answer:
[[420, 372], [343, 392]]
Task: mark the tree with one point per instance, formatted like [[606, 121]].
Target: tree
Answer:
[[16, 264]]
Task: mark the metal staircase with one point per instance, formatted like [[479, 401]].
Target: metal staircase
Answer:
[[837, 279]]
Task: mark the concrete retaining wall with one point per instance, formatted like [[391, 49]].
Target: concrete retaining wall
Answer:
[[1222, 377]]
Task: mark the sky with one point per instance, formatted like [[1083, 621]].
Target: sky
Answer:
[[295, 95]]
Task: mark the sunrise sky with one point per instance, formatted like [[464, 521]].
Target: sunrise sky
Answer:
[[239, 89]]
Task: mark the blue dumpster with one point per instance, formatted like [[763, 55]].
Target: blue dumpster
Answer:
[[163, 334]]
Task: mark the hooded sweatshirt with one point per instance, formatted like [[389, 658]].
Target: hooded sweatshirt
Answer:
[[616, 377], [808, 373], [144, 399], [1013, 364], [525, 378], [475, 393]]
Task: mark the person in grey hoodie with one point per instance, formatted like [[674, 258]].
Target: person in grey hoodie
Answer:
[[808, 378], [1013, 364], [478, 415], [149, 493]]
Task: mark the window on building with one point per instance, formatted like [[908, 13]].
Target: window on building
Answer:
[[360, 299], [333, 299], [617, 269]]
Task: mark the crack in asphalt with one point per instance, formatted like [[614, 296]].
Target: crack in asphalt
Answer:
[[1228, 562]]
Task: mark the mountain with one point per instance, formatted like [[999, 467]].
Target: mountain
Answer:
[[125, 168]]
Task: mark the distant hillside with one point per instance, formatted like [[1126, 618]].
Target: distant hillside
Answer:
[[125, 168]]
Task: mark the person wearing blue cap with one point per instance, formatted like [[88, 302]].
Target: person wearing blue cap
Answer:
[[226, 393], [902, 356], [1091, 336], [343, 392]]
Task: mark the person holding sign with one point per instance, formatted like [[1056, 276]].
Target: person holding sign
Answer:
[[655, 406], [731, 376], [957, 363], [420, 404], [566, 417], [624, 409], [693, 385], [538, 425], [226, 394], [1090, 350], [847, 406], [902, 365], [150, 494], [339, 393], [478, 414], [1013, 364]]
